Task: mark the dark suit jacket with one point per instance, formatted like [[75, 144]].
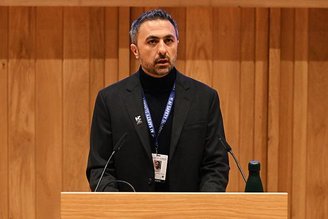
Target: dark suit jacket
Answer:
[[197, 161]]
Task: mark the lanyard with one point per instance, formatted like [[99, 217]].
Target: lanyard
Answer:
[[166, 114]]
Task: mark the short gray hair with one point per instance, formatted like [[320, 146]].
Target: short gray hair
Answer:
[[148, 16]]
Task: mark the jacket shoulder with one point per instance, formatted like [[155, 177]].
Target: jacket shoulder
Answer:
[[117, 87], [187, 82]]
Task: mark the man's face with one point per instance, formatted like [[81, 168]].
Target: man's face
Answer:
[[156, 47]]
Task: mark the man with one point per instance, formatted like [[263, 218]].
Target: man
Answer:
[[169, 119]]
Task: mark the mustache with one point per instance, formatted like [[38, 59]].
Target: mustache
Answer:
[[161, 57]]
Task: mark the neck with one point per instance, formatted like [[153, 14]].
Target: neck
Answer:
[[165, 82]]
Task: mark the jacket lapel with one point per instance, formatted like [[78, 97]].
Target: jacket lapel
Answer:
[[181, 107], [133, 104]]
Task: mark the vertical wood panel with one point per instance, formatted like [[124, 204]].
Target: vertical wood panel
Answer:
[[124, 43], [4, 112], [286, 101], [298, 195], [261, 90], [76, 98], [286, 98], [49, 44], [247, 89], [97, 53], [111, 45], [226, 78], [317, 162], [273, 102], [21, 112], [199, 44]]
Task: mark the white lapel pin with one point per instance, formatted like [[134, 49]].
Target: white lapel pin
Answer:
[[138, 120]]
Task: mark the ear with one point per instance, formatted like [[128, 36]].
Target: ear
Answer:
[[134, 50]]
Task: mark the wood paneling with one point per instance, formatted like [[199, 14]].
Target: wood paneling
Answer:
[[298, 192], [97, 54], [286, 100], [21, 124], [49, 104], [261, 90], [247, 87], [170, 3], [267, 64], [111, 45], [226, 79], [273, 100], [4, 112], [123, 43], [76, 94], [317, 132], [199, 41]]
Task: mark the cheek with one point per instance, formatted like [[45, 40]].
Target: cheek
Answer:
[[147, 55], [173, 51]]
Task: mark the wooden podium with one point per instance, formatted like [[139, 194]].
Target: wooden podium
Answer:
[[173, 205]]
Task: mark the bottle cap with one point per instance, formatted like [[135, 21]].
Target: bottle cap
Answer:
[[254, 165]]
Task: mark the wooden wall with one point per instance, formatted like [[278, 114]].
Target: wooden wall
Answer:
[[268, 65]]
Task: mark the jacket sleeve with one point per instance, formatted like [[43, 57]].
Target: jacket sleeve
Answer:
[[101, 146], [215, 168]]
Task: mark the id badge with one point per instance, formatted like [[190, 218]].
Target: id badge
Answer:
[[160, 165]]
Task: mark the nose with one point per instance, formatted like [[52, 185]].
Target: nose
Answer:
[[162, 48]]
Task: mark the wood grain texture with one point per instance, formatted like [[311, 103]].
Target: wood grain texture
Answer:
[[4, 112], [317, 162], [286, 96], [174, 205], [49, 116], [111, 45], [273, 101], [21, 113], [300, 121], [171, 3], [124, 43], [247, 87], [261, 90], [97, 53], [76, 96], [226, 79], [198, 44]]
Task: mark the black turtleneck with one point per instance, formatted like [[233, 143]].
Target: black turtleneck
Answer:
[[157, 91]]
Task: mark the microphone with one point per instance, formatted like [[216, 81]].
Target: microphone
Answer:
[[229, 150], [116, 148]]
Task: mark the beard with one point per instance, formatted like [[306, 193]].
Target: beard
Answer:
[[160, 67]]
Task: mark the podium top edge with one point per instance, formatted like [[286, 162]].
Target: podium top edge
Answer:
[[174, 193]]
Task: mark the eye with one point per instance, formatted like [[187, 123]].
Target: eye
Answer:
[[168, 41], [152, 42]]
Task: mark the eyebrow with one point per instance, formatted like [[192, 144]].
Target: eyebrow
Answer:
[[156, 37]]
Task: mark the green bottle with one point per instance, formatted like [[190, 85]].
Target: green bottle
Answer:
[[254, 183]]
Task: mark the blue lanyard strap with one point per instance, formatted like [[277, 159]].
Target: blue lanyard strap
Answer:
[[166, 114]]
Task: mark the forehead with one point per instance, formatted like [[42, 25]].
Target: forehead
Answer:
[[157, 28]]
